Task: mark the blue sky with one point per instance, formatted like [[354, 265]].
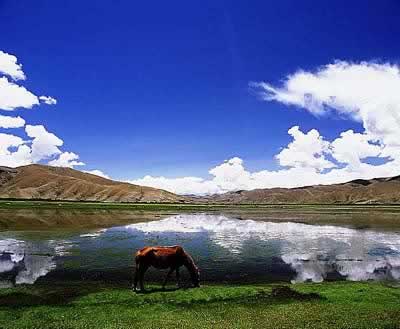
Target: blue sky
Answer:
[[162, 88]]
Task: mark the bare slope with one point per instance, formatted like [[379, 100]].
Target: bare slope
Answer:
[[53, 183], [379, 190]]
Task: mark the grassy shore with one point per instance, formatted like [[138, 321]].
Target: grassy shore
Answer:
[[326, 305], [46, 204]]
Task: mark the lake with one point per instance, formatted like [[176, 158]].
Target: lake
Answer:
[[228, 247]]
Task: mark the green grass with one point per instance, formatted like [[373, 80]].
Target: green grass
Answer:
[[46, 204], [326, 305]]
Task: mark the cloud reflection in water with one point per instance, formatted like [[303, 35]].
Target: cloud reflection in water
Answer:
[[20, 265], [312, 251]]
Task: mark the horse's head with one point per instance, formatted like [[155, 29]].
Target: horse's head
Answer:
[[195, 276], [193, 270]]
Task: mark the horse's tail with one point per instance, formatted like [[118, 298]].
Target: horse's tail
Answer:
[[136, 275], [137, 259]]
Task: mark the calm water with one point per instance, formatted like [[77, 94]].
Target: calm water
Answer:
[[225, 248]]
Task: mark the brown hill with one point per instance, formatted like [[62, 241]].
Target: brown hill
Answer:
[[55, 183], [373, 191]]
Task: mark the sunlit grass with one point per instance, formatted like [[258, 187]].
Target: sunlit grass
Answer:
[[327, 305]]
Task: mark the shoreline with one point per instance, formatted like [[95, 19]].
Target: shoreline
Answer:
[[12, 203]]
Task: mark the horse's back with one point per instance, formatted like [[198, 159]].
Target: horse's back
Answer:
[[162, 249], [160, 256]]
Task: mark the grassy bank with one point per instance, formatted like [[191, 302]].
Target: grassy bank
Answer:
[[327, 305], [45, 204]]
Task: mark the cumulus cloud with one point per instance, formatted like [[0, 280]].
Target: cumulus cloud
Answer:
[[364, 92], [44, 143], [9, 66], [12, 95], [11, 122], [306, 150], [306, 161], [97, 172], [40, 145], [352, 147], [66, 159], [13, 151]]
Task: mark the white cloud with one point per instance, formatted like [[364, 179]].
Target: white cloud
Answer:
[[66, 159], [97, 172], [352, 147], [306, 157], [15, 151], [306, 150], [10, 67], [48, 100], [19, 156], [13, 96], [41, 145], [44, 143], [11, 122], [230, 175], [7, 141], [367, 92], [344, 87], [181, 185]]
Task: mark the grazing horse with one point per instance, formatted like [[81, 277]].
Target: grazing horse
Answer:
[[162, 258]]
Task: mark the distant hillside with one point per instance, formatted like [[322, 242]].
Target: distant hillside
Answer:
[[54, 183], [379, 190]]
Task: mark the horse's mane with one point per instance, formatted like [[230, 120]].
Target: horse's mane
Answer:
[[190, 263]]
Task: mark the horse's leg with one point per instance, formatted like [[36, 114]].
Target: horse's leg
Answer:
[[178, 277], [167, 277], [141, 277], [136, 278]]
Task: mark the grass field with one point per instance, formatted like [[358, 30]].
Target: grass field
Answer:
[[45, 204], [326, 305]]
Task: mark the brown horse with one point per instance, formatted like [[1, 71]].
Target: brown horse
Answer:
[[162, 258]]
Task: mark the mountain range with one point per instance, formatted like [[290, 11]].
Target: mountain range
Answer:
[[56, 183]]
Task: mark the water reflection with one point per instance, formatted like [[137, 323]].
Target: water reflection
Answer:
[[312, 251], [20, 264], [225, 248]]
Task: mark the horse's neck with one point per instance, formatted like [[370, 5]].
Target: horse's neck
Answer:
[[189, 263]]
